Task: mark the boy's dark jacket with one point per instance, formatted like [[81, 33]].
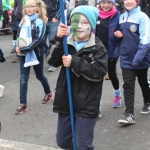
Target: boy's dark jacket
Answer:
[[88, 67]]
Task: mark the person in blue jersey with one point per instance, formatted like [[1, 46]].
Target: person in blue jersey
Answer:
[[87, 61], [134, 54], [33, 23]]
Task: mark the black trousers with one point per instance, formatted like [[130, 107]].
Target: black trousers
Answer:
[[129, 77], [14, 34], [112, 73]]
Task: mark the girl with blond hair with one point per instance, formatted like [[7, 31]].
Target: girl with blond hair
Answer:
[[33, 30]]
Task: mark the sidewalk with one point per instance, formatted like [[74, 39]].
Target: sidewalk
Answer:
[[12, 145]]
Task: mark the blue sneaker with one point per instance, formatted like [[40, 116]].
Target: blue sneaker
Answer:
[[116, 102]]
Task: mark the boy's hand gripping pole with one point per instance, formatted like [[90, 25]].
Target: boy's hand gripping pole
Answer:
[[68, 78]]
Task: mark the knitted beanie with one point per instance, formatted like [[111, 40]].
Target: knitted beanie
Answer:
[[113, 1], [90, 12]]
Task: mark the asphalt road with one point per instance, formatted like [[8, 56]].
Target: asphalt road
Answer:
[[38, 125]]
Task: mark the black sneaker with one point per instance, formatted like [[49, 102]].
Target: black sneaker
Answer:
[[21, 109], [146, 109], [128, 119], [48, 98]]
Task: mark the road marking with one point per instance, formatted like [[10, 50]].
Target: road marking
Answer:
[[13, 145]]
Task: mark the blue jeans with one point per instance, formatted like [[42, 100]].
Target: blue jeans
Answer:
[[84, 132], [24, 76], [51, 29]]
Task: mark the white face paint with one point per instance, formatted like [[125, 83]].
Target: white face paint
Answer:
[[81, 27]]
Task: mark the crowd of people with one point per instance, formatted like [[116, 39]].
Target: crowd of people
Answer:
[[98, 34]]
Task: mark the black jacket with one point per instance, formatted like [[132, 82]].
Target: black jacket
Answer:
[[119, 5], [1, 8], [53, 10], [18, 8], [145, 6], [17, 14], [88, 67]]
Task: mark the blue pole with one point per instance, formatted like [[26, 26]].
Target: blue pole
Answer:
[[68, 78]]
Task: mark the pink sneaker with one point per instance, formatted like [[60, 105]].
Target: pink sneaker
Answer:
[[48, 98], [116, 102]]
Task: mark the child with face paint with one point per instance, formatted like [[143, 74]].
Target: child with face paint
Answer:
[[107, 24], [134, 51], [87, 61]]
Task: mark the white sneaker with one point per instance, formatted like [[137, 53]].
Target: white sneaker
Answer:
[[51, 68], [1, 90]]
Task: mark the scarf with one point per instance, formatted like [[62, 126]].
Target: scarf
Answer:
[[25, 33], [103, 15], [79, 45]]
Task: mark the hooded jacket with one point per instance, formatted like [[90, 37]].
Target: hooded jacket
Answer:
[[134, 46], [88, 67]]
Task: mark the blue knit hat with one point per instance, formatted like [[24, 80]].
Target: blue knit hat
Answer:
[[90, 12], [113, 1]]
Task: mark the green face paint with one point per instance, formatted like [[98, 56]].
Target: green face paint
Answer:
[[75, 18], [88, 29], [81, 27]]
